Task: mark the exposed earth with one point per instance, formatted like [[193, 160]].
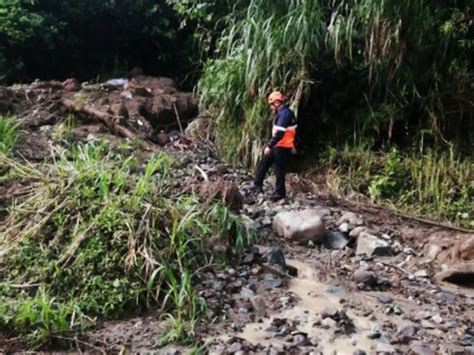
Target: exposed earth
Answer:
[[363, 280]]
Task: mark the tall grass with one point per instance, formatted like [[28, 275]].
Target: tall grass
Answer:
[[396, 56], [268, 49], [8, 134], [103, 231], [433, 184]]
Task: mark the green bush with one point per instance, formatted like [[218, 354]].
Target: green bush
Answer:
[[8, 134], [103, 233], [434, 184]]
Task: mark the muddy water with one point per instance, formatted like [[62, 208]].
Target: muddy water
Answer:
[[313, 300]]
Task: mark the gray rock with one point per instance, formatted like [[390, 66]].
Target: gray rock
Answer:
[[259, 305], [271, 281], [300, 227], [446, 297], [350, 218], [365, 277], [452, 325], [406, 332], [344, 227], [329, 313], [357, 231], [421, 273], [247, 293], [235, 347], [334, 289], [427, 325], [374, 335], [328, 323], [385, 297], [335, 240], [384, 348], [301, 339], [275, 256], [370, 245], [454, 350], [421, 349], [437, 319]]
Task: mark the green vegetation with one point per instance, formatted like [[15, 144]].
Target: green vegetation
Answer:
[[102, 235], [354, 70], [439, 185], [8, 134], [86, 38]]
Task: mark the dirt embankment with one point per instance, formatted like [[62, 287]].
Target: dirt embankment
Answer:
[[144, 107]]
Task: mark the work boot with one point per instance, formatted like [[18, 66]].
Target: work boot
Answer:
[[276, 197], [256, 188]]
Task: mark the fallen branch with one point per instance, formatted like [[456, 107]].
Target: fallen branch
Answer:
[[371, 208], [110, 121], [433, 223], [178, 119], [203, 173]]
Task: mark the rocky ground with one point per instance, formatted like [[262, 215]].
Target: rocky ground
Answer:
[[325, 275], [351, 279]]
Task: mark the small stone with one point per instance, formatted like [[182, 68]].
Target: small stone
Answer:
[[344, 228], [452, 325], [271, 281], [370, 245], [235, 347], [329, 313], [437, 319], [259, 305], [374, 335], [328, 323], [407, 332], [454, 350], [365, 277], [421, 349], [427, 325], [446, 297], [421, 273], [423, 315], [251, 258], [359, 352], [334, 289], [385, 297], [384, 348], [275, 256], [301, 340], [335, 240], [351, 218], [357, 231]]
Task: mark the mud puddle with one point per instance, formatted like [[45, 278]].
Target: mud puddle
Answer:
[[306, 315]]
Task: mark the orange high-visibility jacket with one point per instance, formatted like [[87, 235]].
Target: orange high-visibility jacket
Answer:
[[284, 129]]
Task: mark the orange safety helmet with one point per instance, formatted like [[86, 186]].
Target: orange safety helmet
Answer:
[[276, 96]]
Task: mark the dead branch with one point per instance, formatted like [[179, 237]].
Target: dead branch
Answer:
[[110, 121]]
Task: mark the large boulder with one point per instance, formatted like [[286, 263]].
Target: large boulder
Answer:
[[300, 226]]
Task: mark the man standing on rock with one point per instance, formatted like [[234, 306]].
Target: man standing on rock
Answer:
[[279, 147]]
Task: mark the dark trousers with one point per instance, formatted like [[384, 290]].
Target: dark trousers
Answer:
[[279, 157]]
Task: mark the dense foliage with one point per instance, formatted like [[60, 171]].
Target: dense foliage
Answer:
[[365, 69], [57, 39], [100, 233]]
